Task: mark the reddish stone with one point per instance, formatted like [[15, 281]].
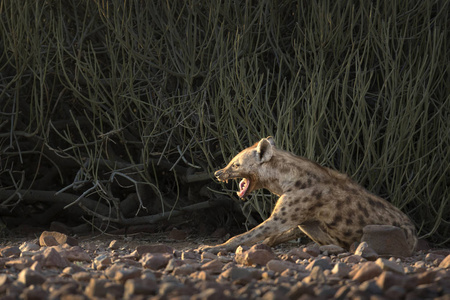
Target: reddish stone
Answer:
[[138, 286], [212, 267], [29, 246], [281, 265], [19, 263], [29, 277], [298, 253], [388, 265], [75, 253], [255, 256], [51, 258], [241, 275], [331, 249], [184, 270], [340, 269], [60, 238], [125, 274], [155, 261], [102, 261], [312, 249], [10, 251], [34, 292], [82, 276], [366, 271], [388, 279], [365, 251], [48, 241], [353, 259], [96, 288]]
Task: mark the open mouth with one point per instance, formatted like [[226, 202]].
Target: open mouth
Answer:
[[243, 187]]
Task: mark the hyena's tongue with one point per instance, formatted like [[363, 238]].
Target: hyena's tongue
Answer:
[[243, 186]]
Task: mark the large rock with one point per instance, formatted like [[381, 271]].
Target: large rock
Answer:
[[48, 238], [386, 240]]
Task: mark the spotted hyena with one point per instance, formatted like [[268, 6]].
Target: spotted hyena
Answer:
[[326, 205]]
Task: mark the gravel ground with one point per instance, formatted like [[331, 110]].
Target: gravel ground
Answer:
[[59, 267]]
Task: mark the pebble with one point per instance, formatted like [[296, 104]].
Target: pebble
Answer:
[[331, 249], [388, 265], [10, 251], [29, 277], [212, 267], [323, 263], [445, 263], [280, 265], [312, 249], [254, 256], [29, 246], [155, 261], [366, 252], [158, 271], [341, 269], [114, 245], [365, 271], [102, 261]]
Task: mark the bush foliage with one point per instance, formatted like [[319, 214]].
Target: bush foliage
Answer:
[[111, 102]]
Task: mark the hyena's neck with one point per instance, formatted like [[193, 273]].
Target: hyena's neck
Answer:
[[286, 172]]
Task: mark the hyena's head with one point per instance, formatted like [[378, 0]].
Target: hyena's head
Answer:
[[247, 165]]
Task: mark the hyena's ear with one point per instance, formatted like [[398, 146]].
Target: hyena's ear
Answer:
[[264, 150]]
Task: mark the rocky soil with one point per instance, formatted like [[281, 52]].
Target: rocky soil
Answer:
[[60, 267]]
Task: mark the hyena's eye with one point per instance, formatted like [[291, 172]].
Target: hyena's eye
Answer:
[[235, 165]]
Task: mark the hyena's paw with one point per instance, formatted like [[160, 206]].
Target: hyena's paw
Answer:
[[212, 249]]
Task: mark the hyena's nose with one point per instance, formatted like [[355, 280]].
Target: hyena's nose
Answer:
[[218, 173]]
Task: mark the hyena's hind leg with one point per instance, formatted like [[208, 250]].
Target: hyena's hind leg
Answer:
[[316, 233], [291, 234]]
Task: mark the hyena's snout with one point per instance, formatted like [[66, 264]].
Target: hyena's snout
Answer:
[[219, 174]]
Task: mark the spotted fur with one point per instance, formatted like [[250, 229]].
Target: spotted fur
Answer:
[[326, 205]]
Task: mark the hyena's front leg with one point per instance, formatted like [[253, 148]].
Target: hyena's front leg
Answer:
[[280, 221]]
